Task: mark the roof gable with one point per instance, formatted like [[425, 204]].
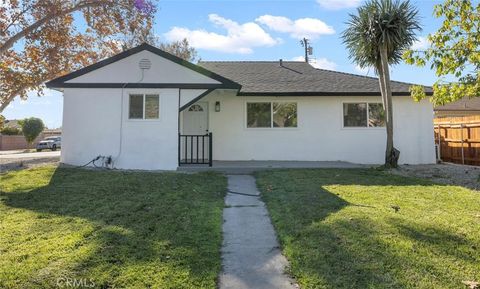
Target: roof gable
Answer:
[[123, 69]]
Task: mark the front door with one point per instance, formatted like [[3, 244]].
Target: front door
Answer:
[[195, 119], [194, 141]]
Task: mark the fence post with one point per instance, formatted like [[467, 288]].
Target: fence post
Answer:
[[210, 150], [461, 134], [439, 143], [179, 143]]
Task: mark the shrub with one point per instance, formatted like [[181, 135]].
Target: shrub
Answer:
[[31, 128], [10, 131]]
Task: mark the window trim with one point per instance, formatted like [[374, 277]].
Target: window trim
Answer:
[[245, 122], [144, 94], [368, 114]]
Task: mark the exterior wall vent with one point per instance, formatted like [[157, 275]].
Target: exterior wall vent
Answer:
[[145, 64]]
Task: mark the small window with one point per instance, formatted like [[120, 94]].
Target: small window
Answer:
[[144, 106], [195, 107], [363, 115], [259, 114], [271, 114], [136, 106], [285, 114], [376, 115]]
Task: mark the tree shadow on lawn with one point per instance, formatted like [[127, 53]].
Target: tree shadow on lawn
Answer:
[[136, 229], [332, 243]]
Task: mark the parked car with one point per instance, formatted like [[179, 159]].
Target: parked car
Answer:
[[52, 143]]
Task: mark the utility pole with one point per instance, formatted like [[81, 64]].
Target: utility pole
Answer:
[[308, 49]]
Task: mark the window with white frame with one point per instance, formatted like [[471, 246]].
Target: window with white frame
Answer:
[[271, 114], [363, 114], [144, 106]]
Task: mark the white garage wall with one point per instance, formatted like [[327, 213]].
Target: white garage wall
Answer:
[[92, 123], [320, 135]]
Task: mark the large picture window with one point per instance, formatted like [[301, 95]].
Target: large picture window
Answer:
[[271, 114], [363, 114], [144, 106]]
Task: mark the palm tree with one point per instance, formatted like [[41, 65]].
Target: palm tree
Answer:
[[377, 37]]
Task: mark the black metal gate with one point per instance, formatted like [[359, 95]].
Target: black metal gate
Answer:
[[195, 149]]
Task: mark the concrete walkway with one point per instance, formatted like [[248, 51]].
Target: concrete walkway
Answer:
[[251, 257]]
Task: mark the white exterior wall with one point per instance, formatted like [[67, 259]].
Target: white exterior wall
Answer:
[[96, 122], [320, 135], [92, 122]]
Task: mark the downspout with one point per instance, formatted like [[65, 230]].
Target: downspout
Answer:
[[178, 126]]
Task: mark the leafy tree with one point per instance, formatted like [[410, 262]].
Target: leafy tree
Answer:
[[181, 49], [31, 128], [376, 37], [2, 121], [10, 131], [39, 39], [454, 53]]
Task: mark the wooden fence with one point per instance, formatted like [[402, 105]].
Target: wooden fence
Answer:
[[458, 139]]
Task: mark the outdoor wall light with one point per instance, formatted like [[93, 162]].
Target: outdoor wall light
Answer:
[[217, 106]]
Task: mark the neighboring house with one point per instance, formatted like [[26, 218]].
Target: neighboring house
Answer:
[[12, 123], [151, 110], [463, 107]]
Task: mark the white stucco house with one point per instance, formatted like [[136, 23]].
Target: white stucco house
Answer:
[[148, 109]]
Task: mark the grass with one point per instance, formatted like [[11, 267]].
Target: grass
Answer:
[[109, 229], [338, 229]]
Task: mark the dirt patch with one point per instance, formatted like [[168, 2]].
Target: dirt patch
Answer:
[[449, 174], [26, 163]]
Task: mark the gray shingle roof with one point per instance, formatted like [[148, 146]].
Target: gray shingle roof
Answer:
[[297, 78], [464, 104]]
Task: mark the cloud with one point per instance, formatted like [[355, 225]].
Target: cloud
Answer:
[[240, 38], [321, 63], [339, 4], [421, 44], [304, 27]]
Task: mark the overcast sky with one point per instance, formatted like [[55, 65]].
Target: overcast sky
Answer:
[[254, 30]]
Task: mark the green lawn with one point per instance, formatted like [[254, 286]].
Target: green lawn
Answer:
[[115, 229], [338, 229]]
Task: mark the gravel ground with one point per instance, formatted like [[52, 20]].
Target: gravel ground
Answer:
[[26, 163], [450, 174]]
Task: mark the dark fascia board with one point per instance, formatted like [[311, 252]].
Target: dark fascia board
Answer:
[[196, 99], [61, 80], [313, 93], [139, 85]]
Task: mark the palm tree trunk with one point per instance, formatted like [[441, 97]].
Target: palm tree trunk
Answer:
[[391, 154], [381, 79]]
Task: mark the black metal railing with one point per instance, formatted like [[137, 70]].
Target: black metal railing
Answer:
[[195, 149]]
